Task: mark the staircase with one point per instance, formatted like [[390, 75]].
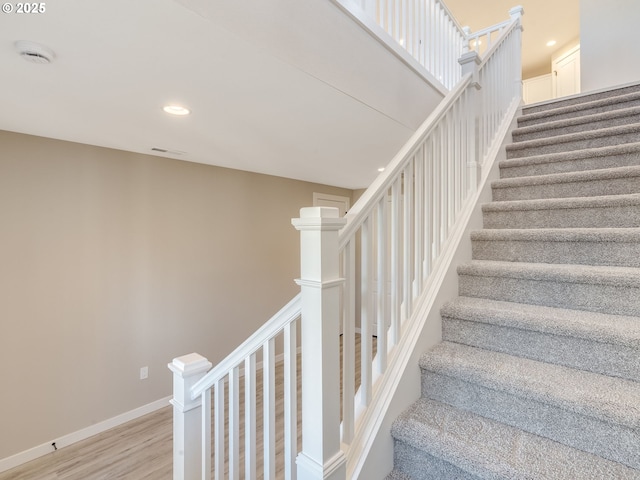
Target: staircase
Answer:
[[538, 374]]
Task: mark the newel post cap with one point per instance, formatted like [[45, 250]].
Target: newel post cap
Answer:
[[516, 12], [189, 365], [319, 218], [470, 60]]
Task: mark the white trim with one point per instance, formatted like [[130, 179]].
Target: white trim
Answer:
[[71, 438]]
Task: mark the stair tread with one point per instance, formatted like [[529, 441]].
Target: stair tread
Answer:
[[490, 449], [582, 98], [609, 399], [396, 475], [569, 122], [571, 137], [569, 177], [588, 274], [572, 155], [617, 235], [593, 326], [629, 199], [602, 102]]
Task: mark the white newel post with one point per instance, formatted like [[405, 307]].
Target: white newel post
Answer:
[[469, 63], [187, 416], [321, 456]]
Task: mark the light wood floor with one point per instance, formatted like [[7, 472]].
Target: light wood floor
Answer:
[[139, 450]]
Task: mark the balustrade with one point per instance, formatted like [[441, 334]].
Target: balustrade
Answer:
[[363, 274]]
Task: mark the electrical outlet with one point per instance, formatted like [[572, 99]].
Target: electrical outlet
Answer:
[[144, 373]]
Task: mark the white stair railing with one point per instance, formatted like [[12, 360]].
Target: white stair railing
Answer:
[[362, 275], [425, 29]]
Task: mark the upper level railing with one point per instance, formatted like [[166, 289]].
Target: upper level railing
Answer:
[[482, 40], [424, 29], [362, 279]]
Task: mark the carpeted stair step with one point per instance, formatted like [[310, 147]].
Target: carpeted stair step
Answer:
[[585, 123], [397, 475], [594, 342], [564, 112], [583, 246], [436, 441], [591, 412], [612, 211], [603, 137], [627, 154], [581, 98], [614, 290], [609, 181]]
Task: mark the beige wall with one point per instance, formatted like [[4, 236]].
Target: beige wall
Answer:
[[608, 51], [111, 261]]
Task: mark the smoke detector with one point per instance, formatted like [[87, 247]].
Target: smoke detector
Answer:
[[34, 52]]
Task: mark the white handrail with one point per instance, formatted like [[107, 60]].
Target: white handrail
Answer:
[[363, 206], [474, 40], [267, 331], [387, 250]]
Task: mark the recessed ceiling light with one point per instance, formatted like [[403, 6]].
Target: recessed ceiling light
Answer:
[[176, 110], [381, 169], [551, 43]]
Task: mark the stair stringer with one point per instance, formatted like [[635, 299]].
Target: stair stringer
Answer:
[[371, 452]]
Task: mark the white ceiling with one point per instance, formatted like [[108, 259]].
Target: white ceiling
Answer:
[[286, 87]]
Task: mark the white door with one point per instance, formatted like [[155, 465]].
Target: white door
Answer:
[[343, 204], [566, 73]]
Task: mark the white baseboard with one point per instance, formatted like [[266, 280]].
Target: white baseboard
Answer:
[[71, 438]]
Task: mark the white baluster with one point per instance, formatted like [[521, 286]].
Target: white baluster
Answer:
[[366, 317], [418, 215], [348, 343], [381, 307], [321, 456], [234, 424], [396, 200], [219, 430], [187, 420], [469, 63], [269, 408], [206, 435], [250, 416], [407, 261], [428, 206], [290, 401]]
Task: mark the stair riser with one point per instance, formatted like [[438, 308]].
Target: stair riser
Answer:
[[582, 127], [617, 300], [593, 188], [525, 121], [615, 360], [515, 151], [614, 442], [420, 465], [627, 216], [581, 99], [575, 165], [578, 253]]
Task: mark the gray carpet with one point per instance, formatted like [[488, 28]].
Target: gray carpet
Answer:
[[538, 374]]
